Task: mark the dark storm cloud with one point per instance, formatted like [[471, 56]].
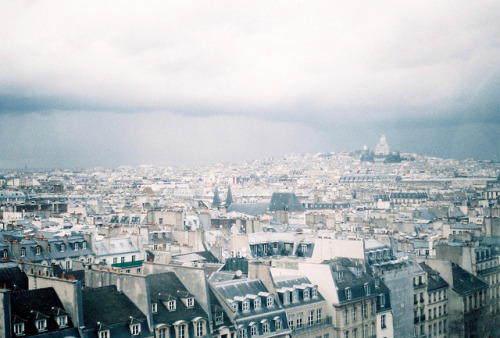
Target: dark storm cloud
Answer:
[[346, 70]]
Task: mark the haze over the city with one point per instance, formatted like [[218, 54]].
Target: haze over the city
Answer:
[[108, 84]]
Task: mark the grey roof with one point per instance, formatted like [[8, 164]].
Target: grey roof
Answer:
[[464, 282], [252, 209], [117, 246], [287, 201], [167, 286]]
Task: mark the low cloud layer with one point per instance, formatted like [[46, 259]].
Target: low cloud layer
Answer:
[[315, 68]]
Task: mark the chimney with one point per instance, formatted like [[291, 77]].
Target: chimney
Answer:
[[262, 271]]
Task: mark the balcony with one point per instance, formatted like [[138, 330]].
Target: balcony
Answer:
[[326, 322]]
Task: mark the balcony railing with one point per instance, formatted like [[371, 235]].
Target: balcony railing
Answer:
[[325, 322]]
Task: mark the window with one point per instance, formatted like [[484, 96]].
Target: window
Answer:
[[354, 313], [104, 334], [234, 305], [182, 331], [277, 324], [319, 315], [286, 298], [63, 248], [365, 331], [253, 330], [346, 334], [219, 317], [315, 292], [242, 333], [199, 328], [190, 302], [135, 329], [348, 294], [270, 301], [162, 333], [364, 312], [291, 322], [68, 265], [265, 328], [84, 245], [310, 318], [382, 300], [295, 296], [38, 250], [115, 260], [246, 305], [299, 320], [5, 253], [382, 322], [306, 294], [62, 321], [154, 307], [171, 305], [372, 329], [367, 289], [41, 325], [355, 333], [76, 246], [133, 258], [346, 316], [19, 329], [23, 252], [256, 303], [122, 260]]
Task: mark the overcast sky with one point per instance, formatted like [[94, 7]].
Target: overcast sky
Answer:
[[193, 82]]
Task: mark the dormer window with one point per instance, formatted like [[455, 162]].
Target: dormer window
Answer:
[[219, 317], [253, 330], [41, 325], [382, 300], [256, 303], [154, 308], [23, 252], [76, 246], [367, 289], [62, 321], [234, 306], [84, 245], [104, 334], [286, 297], [38, 250], [199, 328], [270, 301], [135, 329], [190, 302], [63, 248], [246, 305], [295, 296], [315, 292], [171, 305], [348, 294], [5, 253], [19, 329], [306, 294], [277, 324]]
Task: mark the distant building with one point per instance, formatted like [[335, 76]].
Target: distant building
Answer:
[[382, 147]]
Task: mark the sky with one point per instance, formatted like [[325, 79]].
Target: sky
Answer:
[[95, 83]]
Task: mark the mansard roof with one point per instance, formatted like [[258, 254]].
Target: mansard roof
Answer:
[[31, 305], [164, 287], [107, 305]]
